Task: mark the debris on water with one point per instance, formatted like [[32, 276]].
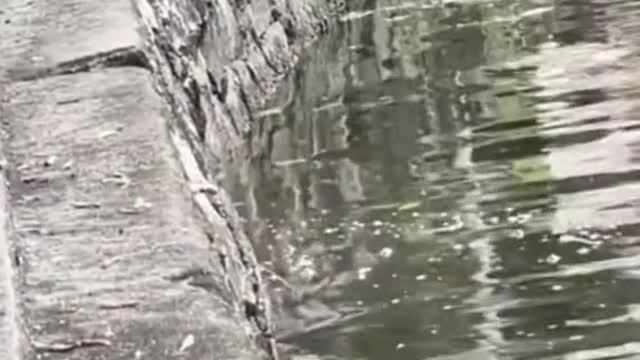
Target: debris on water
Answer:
[[517, 234], [553, 259], [447, 307], [395, 301], [421, 277], [331, 231], [583, 250], [363, 272], [386, 252], [409, 206], [400, 346], [569, 238], [458, 247], [188, 342], [557, 287]]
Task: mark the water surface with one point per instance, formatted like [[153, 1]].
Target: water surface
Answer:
[[456, 180]]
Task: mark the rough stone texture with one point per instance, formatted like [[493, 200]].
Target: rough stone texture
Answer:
[[126, 244], [214, 91], [112, 251], [44, 37]]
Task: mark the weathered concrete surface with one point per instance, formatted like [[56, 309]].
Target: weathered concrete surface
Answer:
[[112, 250], [41, 38], [119, 240]]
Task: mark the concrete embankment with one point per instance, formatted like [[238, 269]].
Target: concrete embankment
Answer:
[[118, 239]]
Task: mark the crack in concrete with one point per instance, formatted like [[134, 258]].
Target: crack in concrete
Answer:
[[122, 57]]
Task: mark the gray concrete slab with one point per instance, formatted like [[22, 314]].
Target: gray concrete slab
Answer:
[[112, 252], [40, 35]]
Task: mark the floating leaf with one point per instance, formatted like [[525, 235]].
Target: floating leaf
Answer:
[[409, 206]]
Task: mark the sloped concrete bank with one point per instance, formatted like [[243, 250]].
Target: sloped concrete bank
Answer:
[[119, 118]]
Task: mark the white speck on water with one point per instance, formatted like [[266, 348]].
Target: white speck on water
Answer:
[[377, 223], [434, 331], [363, 272], [330, 231], [552, 326], [602, 306], [447, 307], [576, 337], [377, 232], [553, 259], [400, 346], [458, 247], [557, 287], [517, 234], [375, 286], [394, 276], [583, 251], [421, 277], [386, 252], [395, 301]]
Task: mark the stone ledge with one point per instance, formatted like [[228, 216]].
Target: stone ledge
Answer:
[[40, 36], [113, 258]]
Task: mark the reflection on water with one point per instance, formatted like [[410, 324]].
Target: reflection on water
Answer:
[[456, 180]]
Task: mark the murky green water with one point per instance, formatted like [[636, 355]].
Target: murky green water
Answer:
[[457, 180]]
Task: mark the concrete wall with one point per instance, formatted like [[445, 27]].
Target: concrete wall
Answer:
[[118, 239]]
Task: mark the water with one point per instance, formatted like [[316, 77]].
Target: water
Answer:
[[456, 180]]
